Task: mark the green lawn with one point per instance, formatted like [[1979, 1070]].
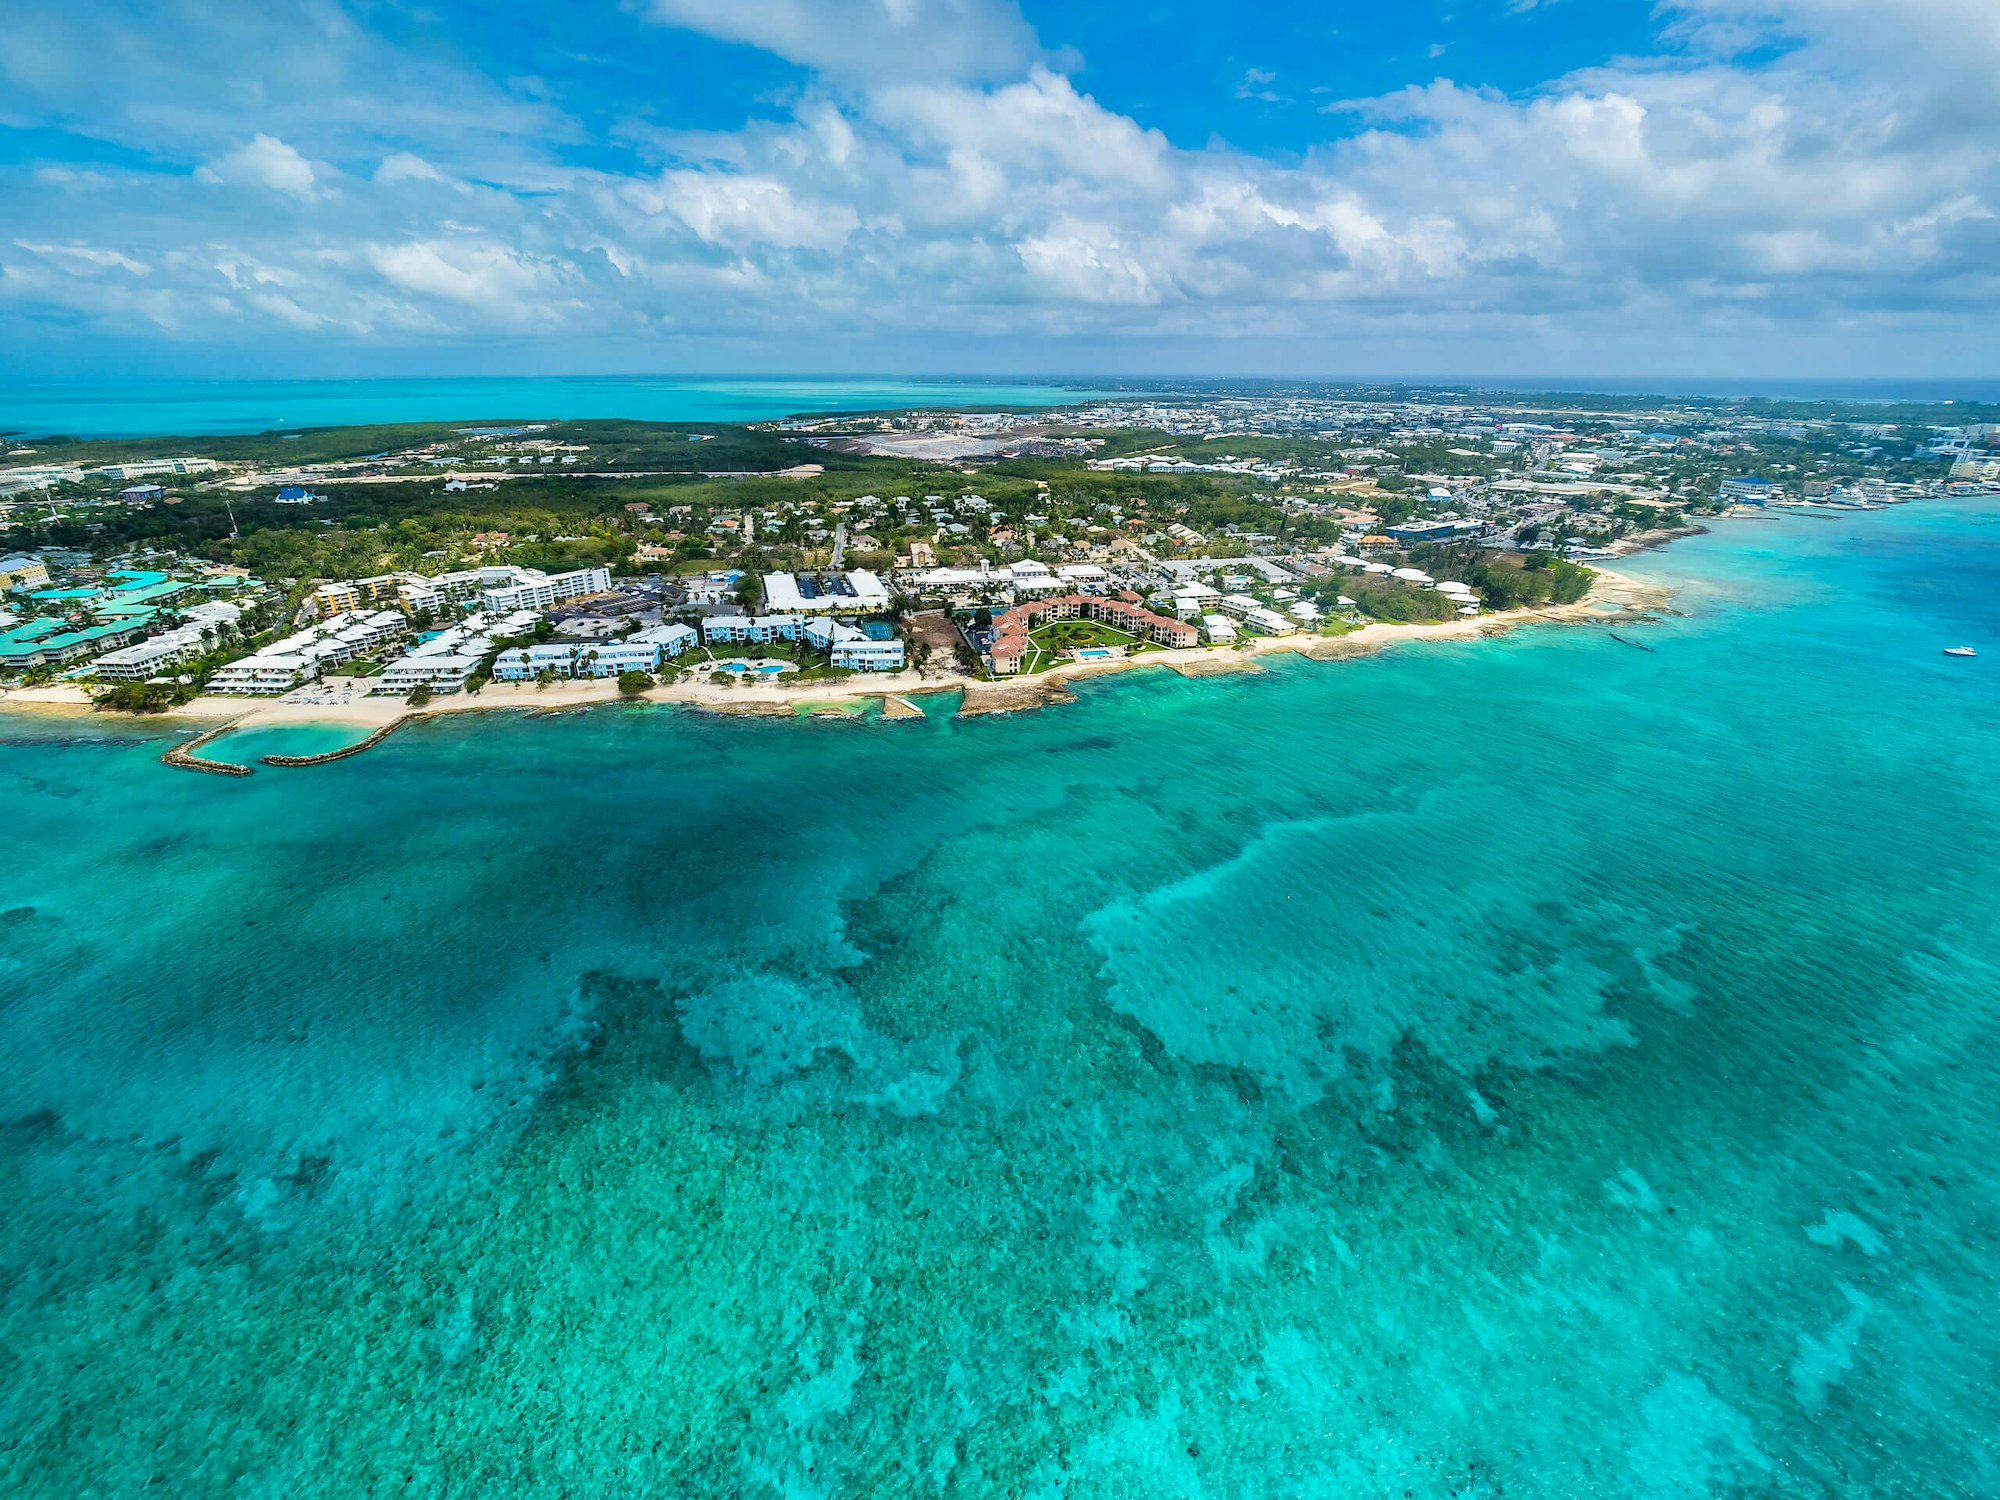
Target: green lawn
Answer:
[[1047, 643]]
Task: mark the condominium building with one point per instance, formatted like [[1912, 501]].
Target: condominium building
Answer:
[[853, 650], [576, 659], [149, 658], [673, 640], [351, 595], [283, 665], [1010, 631], [532, 589], [761, 629], [446, 662], [264, 675], [49, 642]]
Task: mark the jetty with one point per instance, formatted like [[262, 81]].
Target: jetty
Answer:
[[183, 754]]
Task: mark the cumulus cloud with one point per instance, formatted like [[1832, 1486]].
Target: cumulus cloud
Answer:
[[474, 272], [265, 162]]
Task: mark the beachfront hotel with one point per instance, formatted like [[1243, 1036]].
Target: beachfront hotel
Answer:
[[850, 649], [148, 658], [447, 660], [1010, 631], [284, 664], [760, 630]]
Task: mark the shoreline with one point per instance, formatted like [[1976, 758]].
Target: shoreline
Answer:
[[1613, 596]]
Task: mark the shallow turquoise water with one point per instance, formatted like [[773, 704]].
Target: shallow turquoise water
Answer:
[[244, 746], [196, 408], [1519, 1067]]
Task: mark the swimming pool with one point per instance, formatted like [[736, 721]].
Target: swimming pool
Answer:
[[1095, 653], [754, 668]]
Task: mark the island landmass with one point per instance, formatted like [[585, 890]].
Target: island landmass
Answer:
[[822, 565]]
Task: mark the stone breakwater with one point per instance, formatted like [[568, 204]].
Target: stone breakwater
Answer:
[[183, 756]]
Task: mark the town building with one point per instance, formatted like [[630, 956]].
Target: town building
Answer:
[[1433, 531], [38, 477], [857, 593], [146, 467], [1748, 491], [23, 573]]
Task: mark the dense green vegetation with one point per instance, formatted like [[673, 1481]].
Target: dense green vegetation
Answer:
[[142, 697]]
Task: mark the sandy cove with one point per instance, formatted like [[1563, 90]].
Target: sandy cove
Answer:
[[1612, 597]]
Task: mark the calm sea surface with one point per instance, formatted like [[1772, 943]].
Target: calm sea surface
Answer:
[[198, 408], [1534, 1067]]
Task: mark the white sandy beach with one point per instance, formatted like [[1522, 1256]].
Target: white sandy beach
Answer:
[[343, 701]]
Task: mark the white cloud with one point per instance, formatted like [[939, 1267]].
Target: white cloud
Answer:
[[266, 162], [871, 39], [86, 258], [745, 211], [405, 166], [1683, 199], [486, 274]]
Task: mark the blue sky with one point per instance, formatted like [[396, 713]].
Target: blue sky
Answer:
[[1503, 187]]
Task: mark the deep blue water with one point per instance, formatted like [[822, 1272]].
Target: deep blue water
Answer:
[[197, 408], [1530, 1066]]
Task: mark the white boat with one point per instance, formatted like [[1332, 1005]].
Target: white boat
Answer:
[[1959, 651]]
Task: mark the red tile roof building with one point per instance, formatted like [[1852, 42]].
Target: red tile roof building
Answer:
[[1010, 631]]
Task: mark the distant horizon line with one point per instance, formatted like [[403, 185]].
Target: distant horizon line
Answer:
[[1716, 386]]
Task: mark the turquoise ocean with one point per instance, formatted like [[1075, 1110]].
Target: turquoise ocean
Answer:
[[207, 408], [1534, 1066]]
